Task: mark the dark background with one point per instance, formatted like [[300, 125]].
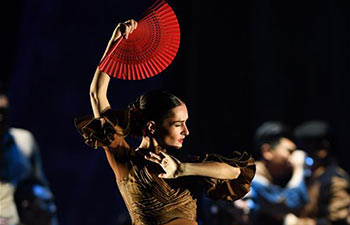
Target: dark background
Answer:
[[239, 63]]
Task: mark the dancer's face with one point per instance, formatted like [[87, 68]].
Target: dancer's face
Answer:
[[173, 130]]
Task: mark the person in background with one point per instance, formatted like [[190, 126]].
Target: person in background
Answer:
[[278, 187], [20, 162], [328, 185]]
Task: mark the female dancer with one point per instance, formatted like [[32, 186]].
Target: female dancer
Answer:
[[150, 179]]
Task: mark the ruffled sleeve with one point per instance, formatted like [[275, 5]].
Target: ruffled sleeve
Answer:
[[234, 189], [113, 130]]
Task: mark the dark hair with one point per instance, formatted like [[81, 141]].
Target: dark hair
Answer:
[[271, 132], [151, 106], [314, 133]]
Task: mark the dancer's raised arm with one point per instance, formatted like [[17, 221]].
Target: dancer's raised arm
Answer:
[[100, 81]]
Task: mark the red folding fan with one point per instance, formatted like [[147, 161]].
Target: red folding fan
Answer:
[[149, 49]]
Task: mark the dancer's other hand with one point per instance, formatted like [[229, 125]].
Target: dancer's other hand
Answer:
[[170, 164]]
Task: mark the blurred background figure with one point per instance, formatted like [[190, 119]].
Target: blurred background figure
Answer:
[[328, 185], [279, 184], [35, 203], [278, 187], [20, 165]]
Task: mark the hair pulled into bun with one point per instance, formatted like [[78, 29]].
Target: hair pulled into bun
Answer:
[[152, 106]]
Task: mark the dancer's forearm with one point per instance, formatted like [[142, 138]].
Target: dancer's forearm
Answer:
[[209, 169], [99, 84], [98, 93]]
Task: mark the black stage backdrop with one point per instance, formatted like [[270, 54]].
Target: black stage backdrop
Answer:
[[240, 63]]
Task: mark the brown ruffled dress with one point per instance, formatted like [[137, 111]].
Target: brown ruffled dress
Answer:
[[152, 200]]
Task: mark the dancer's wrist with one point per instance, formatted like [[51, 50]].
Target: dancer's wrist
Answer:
[[180, 172]]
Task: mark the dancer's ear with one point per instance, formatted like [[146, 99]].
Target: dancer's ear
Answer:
[[151, 127]]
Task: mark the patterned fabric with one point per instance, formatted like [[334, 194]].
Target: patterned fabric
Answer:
[[151, 200]]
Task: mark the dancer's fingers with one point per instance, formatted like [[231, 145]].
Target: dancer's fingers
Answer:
[[133, 25], [152, 159], [127, 31], [165, 154], [155, 156]]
